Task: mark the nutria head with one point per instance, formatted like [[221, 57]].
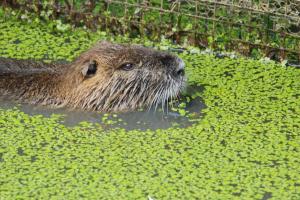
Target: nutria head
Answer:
[[114, 77]]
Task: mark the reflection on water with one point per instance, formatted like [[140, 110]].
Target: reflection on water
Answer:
[[148, 119]]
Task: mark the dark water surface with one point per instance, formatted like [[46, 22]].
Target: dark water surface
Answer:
[[146, 119]]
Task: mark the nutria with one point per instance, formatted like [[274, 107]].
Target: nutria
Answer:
[[107, 77]]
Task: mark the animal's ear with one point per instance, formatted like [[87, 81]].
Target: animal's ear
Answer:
[[89, 69]]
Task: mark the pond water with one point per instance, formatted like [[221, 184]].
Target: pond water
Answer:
[[161, 118], [245, 145]]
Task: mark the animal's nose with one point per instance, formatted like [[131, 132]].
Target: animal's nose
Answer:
[[167, 59], [179, 71]]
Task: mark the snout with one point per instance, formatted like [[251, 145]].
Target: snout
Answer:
[[179, 69], [174, 65]]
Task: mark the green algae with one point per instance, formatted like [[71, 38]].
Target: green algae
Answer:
[[247, 146]]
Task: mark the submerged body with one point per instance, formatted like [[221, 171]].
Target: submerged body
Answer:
[[108, 77]]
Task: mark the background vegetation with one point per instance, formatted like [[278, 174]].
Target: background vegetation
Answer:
[[246, 146], [254, 28]]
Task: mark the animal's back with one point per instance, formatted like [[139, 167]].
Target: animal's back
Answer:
[[19, 78], [25, 67]]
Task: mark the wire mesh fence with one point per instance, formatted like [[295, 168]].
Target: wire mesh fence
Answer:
[[252, 27]]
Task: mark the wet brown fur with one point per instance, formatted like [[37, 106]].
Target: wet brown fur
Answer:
[[111, 88]]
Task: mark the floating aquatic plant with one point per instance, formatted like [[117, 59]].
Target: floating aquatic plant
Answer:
[[246, 146]]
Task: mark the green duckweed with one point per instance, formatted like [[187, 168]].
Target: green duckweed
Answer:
[[246, 146]]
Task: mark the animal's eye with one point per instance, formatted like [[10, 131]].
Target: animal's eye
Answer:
[[127, 66]]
